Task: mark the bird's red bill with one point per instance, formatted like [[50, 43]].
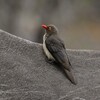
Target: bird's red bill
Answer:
[[44, 26]]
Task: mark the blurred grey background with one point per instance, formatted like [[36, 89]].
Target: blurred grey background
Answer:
[[78, 20]]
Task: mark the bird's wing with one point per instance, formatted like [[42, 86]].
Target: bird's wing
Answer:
[[57, 49]]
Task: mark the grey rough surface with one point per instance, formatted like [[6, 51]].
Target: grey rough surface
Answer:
[[25, 74]]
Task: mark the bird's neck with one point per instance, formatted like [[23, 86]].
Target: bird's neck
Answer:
[[46, 35]]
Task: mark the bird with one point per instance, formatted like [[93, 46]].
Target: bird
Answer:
[[54, 49]]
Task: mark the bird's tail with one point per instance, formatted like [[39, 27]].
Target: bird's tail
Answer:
[[70, 76]]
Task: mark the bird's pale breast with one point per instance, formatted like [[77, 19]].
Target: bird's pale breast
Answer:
[[48, 54]]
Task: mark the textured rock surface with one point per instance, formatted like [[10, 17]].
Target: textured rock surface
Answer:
[[25, 74]]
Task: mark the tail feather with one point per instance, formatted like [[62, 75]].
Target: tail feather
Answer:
[[70, 76]]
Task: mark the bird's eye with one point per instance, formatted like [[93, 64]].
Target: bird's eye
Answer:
[[49, 28]]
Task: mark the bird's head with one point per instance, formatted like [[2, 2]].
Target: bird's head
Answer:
[[50, 29]]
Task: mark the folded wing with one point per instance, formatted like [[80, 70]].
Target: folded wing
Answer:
[[57, 49]]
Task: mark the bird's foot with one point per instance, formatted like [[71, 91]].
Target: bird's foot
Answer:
[[50, 61]]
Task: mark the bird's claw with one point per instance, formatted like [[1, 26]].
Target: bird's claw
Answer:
[[50, 61]]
